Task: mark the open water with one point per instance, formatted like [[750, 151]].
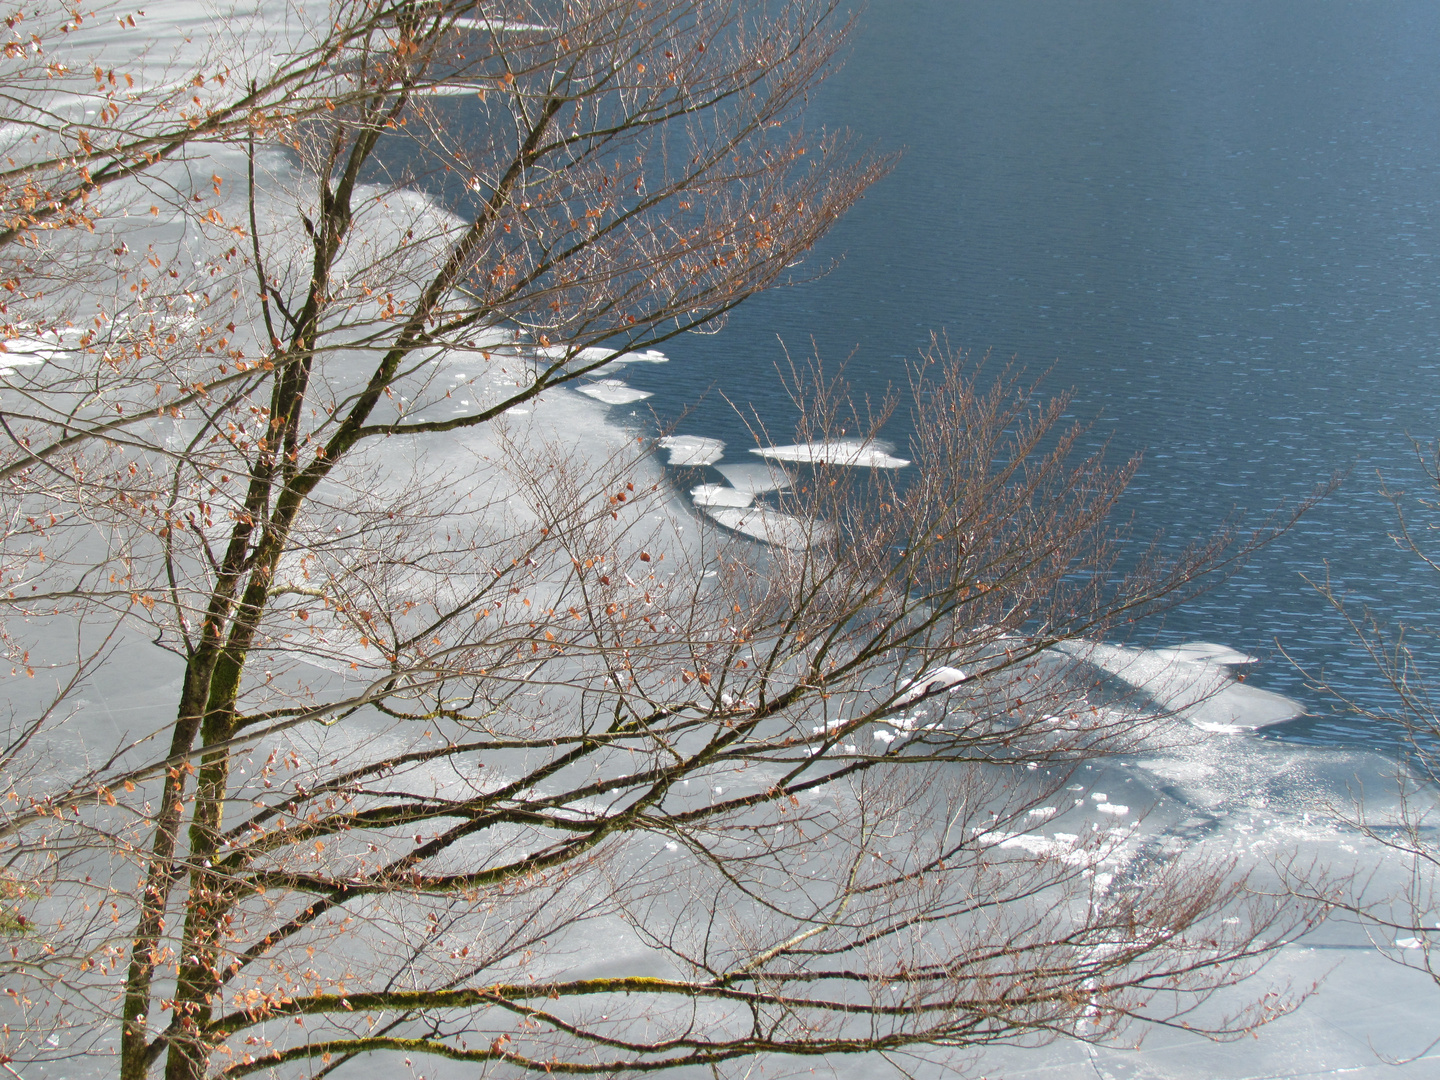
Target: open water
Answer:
[[1215, 222]]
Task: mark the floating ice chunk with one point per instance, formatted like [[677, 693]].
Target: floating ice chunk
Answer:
[[672, 846], [1099, 796], [688, 450], [613, 392], [1409, 943], [595, 355], [771, 526], [649, 356], [754, 477], [1041, 812], [839, 452], [887, 737], [719, 495], [450, 89], [499, 26], [933, 681], [1112, 808]]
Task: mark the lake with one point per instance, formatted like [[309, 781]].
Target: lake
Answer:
[[1215, 222]]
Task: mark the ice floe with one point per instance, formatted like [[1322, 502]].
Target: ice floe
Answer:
[[596, 355], [931, 682], [648, 356], [771, 526], [719, 495], [500, 26], [838, 452], [613, 392], [754, 477], [692, 450], [449, 90]]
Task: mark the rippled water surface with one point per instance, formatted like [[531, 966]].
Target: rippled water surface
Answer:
[[1216, 221]]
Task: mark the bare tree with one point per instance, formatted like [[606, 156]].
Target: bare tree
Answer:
[[480, 746], [1402, 917]]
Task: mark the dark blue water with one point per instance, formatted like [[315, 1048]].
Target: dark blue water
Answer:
[[1216, 221]]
